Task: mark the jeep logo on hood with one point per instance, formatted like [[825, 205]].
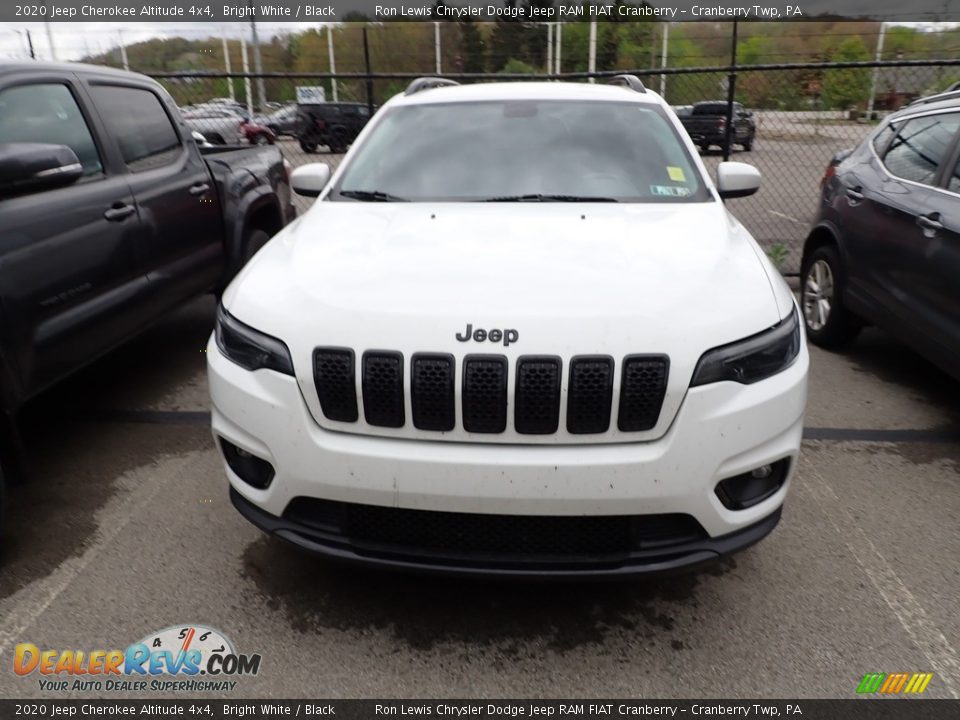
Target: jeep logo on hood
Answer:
[[507, 336]]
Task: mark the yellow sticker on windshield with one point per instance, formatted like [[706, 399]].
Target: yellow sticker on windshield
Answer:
[[676, 173]]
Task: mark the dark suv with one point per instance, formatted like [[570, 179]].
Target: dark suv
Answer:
[[335, 125], [885, 247]]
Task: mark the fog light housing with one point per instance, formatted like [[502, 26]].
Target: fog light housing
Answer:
[[753, 487], [254, 471]]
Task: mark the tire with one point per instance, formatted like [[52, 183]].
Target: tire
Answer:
[[308, 147], [254, 240], [260, 139], [216, 139], [748, 144], [337, 143], [828, 323]]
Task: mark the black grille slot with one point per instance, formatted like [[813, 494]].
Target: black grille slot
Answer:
[[333, 375], [537, 395], [643, 385], [518, 538], [431, 387], [485, 393], [383, 389], [590, 394]]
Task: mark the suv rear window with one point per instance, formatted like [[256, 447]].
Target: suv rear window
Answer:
[[474, 151]]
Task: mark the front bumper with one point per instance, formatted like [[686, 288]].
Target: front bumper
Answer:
[[721, 430]]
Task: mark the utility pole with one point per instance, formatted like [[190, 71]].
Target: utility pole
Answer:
[[731, 89], [436, 45], [226, 62], [592, 59], [556, 55], [366, 62], [663, 60], [549, 48], [123, 52], [333, 62], [53, 50], [876, 73], [257, 60], [246, 79]]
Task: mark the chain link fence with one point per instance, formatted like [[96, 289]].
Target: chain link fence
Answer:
[[801, 114]]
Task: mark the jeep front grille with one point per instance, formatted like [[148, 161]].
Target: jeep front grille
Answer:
[[336, 388], [431, 392], [383, 389], [642, 388], [483, 386], [485, 394]]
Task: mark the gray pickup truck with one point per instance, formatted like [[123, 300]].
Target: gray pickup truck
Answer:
[[111, 216]]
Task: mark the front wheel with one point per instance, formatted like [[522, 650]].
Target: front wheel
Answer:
[[748, 144], [308, 147], [829, 324]]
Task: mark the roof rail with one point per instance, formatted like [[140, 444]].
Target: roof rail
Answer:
[[428, 83], [952, 92], [631, 82]]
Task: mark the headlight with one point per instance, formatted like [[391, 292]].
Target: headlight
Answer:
[[250, 348], [753, 359]]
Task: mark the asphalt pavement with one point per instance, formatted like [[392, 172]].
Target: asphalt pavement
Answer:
[[125, 528]]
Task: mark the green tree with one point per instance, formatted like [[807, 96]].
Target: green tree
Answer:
[[848, 87]]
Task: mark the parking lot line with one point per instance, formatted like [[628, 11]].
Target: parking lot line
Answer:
[[909, 612], [112, 521]]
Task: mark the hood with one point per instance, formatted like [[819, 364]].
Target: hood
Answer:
[[567, 279]]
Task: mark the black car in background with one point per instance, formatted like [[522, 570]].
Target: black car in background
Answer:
[[333, 124], [706, 123], [885, 247]]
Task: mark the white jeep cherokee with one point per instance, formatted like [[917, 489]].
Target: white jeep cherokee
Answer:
[[518, 332]]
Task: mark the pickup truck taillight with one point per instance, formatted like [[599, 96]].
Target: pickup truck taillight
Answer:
[[721, 123]]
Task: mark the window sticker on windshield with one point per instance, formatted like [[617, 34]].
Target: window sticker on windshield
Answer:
[[669, 191], [676, 173]]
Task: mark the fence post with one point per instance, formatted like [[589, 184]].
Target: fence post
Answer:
[[366, 61], [731, 89]]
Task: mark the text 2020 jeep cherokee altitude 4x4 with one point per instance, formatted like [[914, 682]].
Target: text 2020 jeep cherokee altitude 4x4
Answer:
[[517, 333]]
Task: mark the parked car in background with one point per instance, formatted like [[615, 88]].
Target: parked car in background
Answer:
[[706, 124], [682, 111], [280, 122], [219, 126], [111, 215], [885, 246], [257, 134], [406, 377], [335, 125]]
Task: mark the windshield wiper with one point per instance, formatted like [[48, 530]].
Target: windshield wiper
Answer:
[[372, 196], [539, 197]]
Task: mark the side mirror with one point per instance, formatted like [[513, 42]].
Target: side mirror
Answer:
[[737, 179], [310, 180], [37, 166]]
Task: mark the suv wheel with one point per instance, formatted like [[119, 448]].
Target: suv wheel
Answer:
[[748, 144], [337, 144], [829, 324], [308, 147]]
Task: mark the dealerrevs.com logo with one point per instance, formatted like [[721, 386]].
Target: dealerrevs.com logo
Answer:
[[185, 658]]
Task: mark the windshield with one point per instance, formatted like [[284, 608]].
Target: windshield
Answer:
[[521, 150]]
